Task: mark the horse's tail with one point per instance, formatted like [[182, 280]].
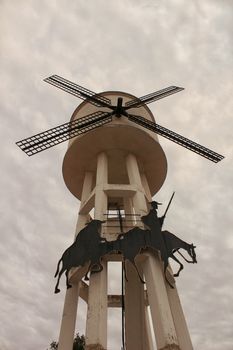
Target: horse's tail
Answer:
[[58, 265], [139, 275]]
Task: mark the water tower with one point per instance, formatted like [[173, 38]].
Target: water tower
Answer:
[[114, 165]]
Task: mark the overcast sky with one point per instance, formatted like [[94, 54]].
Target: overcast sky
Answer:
[[137, 46]]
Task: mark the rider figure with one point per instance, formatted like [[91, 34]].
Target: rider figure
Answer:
[[155, 224], [154, 205]]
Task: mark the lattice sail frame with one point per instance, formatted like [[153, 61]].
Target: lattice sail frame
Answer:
[[54, 136], [154, 96], [179, 139], [78, 91]]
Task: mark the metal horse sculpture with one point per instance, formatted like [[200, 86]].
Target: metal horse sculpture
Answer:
[[90, 247], [86, 247]]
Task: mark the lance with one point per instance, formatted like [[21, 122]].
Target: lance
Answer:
[[168, 205]]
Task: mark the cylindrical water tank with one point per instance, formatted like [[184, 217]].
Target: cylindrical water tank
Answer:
[[117, 138]]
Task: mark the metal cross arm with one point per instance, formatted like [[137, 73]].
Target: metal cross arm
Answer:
[[61, 133], [179, 139], [78, 91], [154, 96], [52, 137]]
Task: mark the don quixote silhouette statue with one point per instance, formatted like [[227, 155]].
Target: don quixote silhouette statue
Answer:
[[90, 247]]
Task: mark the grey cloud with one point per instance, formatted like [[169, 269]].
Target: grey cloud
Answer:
[[135, 46]]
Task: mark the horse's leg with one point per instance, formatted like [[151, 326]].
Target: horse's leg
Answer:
[[193, 254], [86, 278], [58, 264], [97, 264], [181, 265], [188, 261], [57, 290], [67, 280]]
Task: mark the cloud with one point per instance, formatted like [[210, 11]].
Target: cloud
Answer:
[[135, 46]]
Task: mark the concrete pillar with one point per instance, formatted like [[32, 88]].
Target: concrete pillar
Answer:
[[101, 200], [128, 207], [181, 328], [146, 187], [135, 331], [179, 319], [134, 311], [86, 191], [96, 326], [67, 330], [149, 340], [139, 202], [87, 185], [162, 319], [160, 309]]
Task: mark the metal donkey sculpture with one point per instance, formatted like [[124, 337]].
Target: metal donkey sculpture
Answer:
[[90, 247]]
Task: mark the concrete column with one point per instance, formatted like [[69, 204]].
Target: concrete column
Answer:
[[101, 200], [67, 330], [86, 191], [163, 324], [96, 326], [139, 202], [135, 327], [181, 328], [128, 207], [146, 187], [87, 185], [179, 319], [149, 340], [162, 319], [134, 311]]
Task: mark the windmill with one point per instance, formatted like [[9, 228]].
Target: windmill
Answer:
[[115, 162], [61, 133]]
